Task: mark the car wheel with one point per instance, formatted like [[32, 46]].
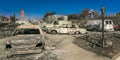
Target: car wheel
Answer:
[[77, 32], [54, 32]]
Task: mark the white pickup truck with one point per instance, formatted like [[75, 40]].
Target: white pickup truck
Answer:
[[68, 29]]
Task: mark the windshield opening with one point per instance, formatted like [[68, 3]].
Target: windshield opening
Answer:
[[27, 31]]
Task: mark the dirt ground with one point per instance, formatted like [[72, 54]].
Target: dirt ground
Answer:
[[72, 51], [63, 46]]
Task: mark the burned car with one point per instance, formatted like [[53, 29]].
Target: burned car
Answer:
[[26, 39], [68, 29]]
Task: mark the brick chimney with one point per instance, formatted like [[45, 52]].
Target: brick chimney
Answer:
[[22, 15]]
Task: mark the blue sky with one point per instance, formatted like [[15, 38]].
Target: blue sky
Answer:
[[38, 8]]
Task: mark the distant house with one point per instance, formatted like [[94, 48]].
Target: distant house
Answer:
[[56, 17], [6, 20], [23, 22], [51, 18]]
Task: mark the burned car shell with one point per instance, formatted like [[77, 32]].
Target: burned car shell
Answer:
[[25, 42], [67, 28]]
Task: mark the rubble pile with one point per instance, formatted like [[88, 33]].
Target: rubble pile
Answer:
[[92, 43], [7, 30], [4, 34]]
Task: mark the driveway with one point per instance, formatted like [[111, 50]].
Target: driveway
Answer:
[[73, 52]]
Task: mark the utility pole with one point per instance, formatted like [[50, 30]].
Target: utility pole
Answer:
[[28, 16], [14, 16], [102, 41]]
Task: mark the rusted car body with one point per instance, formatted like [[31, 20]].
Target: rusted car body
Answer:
[[26, 39], [68, 29]]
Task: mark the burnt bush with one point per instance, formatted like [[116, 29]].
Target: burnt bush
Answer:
[[93, 42]]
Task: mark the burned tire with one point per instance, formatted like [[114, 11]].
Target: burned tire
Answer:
[[77, 32], [54, 32]]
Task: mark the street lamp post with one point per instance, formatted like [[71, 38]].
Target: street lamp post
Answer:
[[102, 41]]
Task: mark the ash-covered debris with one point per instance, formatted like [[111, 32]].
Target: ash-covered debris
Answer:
[[7, 30], [92, 43], [53, 55], [46, 55], [4, 34], [2, 54]]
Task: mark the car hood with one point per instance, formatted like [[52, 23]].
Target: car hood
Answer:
[[24, 41]]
